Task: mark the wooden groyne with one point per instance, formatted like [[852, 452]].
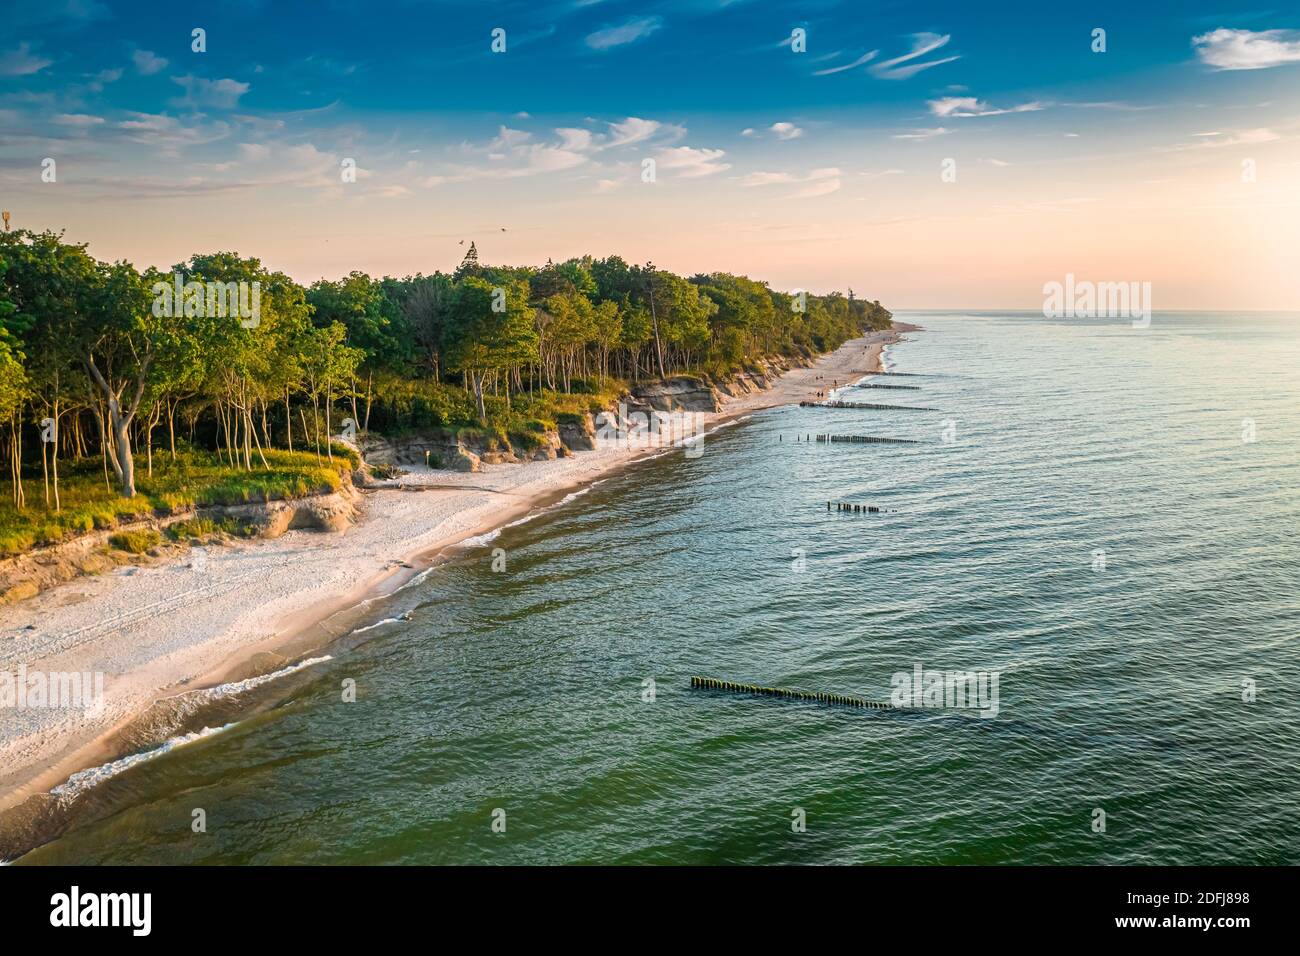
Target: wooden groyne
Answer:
[[839, 700], [908, 388], [868, 405], [868, 439], [859, 509], [905, 374]]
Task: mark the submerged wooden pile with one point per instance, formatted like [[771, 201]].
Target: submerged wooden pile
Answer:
[[869, 439], [889, 408], [708, 683]]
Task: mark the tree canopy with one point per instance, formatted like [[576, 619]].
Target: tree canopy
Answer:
[[101, 359]]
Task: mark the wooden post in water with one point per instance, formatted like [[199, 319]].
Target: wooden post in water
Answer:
[[708, 683]]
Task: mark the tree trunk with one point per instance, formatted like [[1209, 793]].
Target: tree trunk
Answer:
[[477, 379], [124, 460], [654, 321]]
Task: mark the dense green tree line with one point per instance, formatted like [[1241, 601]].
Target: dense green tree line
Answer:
[[102, 360]]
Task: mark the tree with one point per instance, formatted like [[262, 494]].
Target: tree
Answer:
[[373, 321], [13, 384], [426, 304], [469, 266], [492, 332], [118, 348]]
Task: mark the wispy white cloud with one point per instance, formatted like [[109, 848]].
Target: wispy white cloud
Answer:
[[221, 94], [78, 120], [102, 79], [167, 133], [922, 133], [966, 106], [515, 153], [630, 31], [781, 130], [688, 162], [818, 182], [1246, 137], [766, 179], [147, 63], [922, 44], [637, 130], [1246, 49], [22, 62], [866, 57], [578, 140]]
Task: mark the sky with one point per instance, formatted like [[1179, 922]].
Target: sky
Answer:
[[929, 155]]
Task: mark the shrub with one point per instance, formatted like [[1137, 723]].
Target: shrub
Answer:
[[135, 542]]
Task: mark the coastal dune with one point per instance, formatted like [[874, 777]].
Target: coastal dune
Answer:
[[250, 608]]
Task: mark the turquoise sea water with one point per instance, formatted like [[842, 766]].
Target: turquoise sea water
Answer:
[[1121, 689]]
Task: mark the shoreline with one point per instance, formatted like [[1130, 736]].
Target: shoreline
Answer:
[[160, 632]]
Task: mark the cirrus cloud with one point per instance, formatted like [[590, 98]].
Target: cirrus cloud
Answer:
[[690, 163], [922, 43], [966, 106], [629, 31]]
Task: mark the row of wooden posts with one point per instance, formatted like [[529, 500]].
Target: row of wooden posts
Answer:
[[858, 509], [868, 439], [709, 683], [868, 405]]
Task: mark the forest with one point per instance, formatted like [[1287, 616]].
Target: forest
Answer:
[[117, 396]]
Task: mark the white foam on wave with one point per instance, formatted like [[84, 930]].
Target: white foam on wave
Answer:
[[415, 580], [371, 627], [83, 780], [572, 496], [240, 686], [478, 540]]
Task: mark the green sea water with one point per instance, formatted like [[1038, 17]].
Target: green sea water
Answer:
[[1105, 517]]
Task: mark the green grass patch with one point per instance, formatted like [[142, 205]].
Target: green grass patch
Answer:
[[195, 478], [135, 542]]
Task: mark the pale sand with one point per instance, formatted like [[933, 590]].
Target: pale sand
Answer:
[[161, 630]]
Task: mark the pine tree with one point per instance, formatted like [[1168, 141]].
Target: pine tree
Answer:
[[469, 266]]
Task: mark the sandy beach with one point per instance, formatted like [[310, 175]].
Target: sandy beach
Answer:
[[254, 606]]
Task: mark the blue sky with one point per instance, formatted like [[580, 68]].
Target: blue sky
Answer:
[[803, 160]]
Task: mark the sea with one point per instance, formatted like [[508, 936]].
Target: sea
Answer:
[[1099, 522]]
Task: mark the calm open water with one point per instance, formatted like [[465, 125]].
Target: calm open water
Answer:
[[1120, 689]]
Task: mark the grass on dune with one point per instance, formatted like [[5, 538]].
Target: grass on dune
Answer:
[[195, 478]]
